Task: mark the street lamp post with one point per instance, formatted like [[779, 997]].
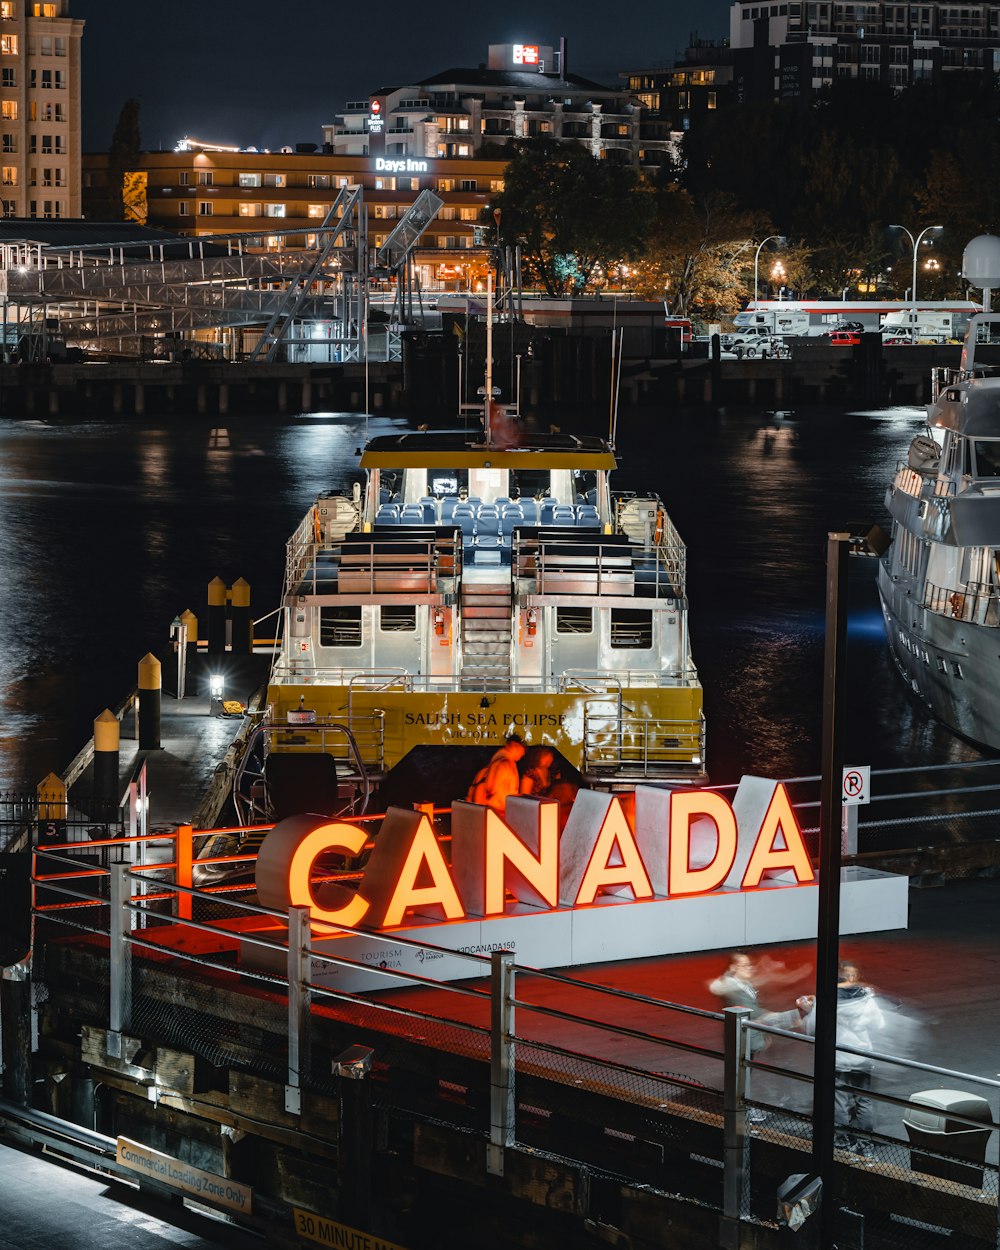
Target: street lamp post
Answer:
[[916, 247], [756, 259]]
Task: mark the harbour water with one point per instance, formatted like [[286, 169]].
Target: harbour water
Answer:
[[108, 529]]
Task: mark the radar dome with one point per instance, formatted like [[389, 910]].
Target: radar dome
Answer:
[[981, 261]]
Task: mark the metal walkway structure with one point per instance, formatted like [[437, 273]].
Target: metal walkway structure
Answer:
[[109, 297]]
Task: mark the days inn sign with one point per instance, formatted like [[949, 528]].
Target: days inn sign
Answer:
[[693, 872]]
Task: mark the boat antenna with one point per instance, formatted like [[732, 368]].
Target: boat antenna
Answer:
[[488, 397], [364, 325], [611, 388], [616, 383]]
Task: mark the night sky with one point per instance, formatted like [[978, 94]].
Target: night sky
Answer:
[[262, 73]]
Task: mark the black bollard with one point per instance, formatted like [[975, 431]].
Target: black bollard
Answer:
[[106, 738], [242, 633], [149, 703], [216, 616]]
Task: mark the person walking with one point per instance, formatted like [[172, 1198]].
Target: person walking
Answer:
[[859, 1019], [737, 986]]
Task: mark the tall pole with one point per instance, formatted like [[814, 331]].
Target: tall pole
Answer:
[[756, 258], [828, 920], [915, 242]]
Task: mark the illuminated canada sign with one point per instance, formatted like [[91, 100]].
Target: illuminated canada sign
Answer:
[[690, 871], [697, 850]]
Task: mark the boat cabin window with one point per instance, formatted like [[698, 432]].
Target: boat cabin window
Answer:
[[987, 454], [632, 628], [574, 620], [584, 486], [340, 626], [397, 618]]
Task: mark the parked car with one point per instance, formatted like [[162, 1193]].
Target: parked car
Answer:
[[897, 340], [845, 338]]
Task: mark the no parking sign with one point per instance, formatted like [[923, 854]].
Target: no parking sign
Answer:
[[857, 784]]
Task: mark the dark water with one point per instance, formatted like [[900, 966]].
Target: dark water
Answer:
[[109, 529]]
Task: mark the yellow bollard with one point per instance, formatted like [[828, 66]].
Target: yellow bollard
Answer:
[[52, 798], [107, 733], [242, 632], [216, 616], [150, 684]]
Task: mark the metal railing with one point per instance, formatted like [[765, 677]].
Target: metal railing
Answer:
[[976, 602], [639, 746], [587, 564], [691, 1083]]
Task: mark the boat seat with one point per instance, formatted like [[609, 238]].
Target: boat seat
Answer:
[[587, 514], [488, 549], [487, 523], [430, 508], [448, 504], [388, 514], [510, 517]]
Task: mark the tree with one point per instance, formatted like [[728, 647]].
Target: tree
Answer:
[[571, 214], [696, 251], [123, 159]]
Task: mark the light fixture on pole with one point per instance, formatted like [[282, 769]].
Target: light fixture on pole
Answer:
[[756, 259], [916, 246]]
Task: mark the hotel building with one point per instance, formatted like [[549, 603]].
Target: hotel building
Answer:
[[39, 109]]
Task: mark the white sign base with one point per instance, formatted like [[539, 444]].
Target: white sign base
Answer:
[[611, 929]]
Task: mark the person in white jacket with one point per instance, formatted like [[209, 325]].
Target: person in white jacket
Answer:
[[859, 1019]]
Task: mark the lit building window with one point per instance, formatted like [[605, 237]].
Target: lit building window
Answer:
[[8, 109], [274, 210], [318, 180], [7, 10], [8, 45], [43, 10], [249, 180], [251, 210], [8, 175], [317, 210], [711, 100]]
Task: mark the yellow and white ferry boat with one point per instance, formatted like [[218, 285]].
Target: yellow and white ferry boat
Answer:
[[477, 586]]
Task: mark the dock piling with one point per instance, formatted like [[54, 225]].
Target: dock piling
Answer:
[[150, 699], [107, 733]]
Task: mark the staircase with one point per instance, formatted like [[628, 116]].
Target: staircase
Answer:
[[486, 635]]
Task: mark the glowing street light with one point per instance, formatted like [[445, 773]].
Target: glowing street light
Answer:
[[780, 238], [916, 245]]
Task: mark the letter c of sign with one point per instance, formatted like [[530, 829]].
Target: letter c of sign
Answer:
[[285, 861]]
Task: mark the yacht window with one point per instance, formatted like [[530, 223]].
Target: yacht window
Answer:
[[631, 627], [340, 626], [396, 619], [574, 620], [441, 482], [530, 483], [987, 452]]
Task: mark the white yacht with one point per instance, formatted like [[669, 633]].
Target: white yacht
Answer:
[[938, 580]]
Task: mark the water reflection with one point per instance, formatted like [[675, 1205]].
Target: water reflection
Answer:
[[109, 529]]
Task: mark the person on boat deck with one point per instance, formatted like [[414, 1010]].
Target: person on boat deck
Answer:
[[502, 777], [537, 776]]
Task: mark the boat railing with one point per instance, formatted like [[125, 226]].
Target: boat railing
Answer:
[[614, 741], [945, 488], [976, 602], [368, 681], [908, 480], [370, 564], [602, 564], [359, 743]]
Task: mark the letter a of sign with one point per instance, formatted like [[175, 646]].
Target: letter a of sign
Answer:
[[615, 841], [407, 872], [766, 857]]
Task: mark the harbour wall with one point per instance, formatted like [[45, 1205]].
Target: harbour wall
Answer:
[[560, 370]]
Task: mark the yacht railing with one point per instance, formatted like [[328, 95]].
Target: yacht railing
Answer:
[[360, 741], [976, 602], [909, 481], [366, 564]]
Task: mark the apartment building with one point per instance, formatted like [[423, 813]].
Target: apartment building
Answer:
[[39, 109], [523, 90], [278, 199], [790, 51]]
